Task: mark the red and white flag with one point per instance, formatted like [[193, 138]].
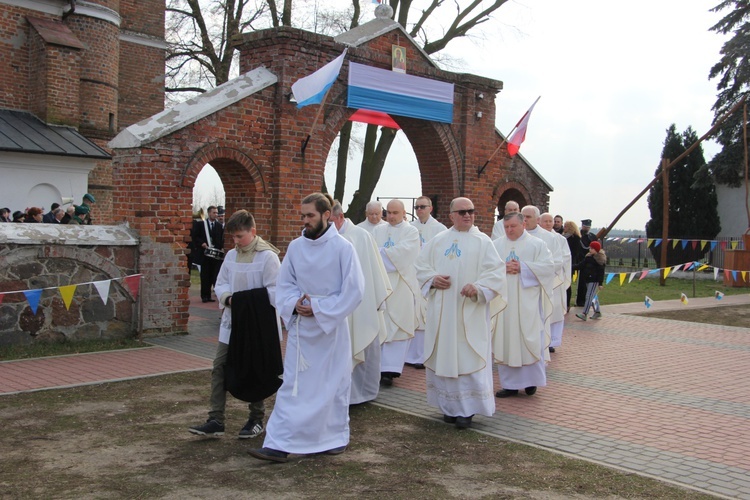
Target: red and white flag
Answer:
[[517, 137]]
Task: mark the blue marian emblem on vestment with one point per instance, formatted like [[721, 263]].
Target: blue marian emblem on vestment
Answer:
[[453, 251], [389, 243], [512, 256], [421, 239]]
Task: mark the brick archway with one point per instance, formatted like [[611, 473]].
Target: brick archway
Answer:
[[511, 191]]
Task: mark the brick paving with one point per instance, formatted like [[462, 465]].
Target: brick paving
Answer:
[[661, 398]]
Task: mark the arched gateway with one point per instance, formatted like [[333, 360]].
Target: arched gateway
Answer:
[[252, 134]]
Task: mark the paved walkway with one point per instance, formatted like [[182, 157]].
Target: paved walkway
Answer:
[[661, 398]]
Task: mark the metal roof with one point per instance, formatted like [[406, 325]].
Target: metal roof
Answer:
[[23, 132]]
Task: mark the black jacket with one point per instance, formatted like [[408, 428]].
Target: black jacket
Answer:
[[254, 365], [198, 234], [591, 268]]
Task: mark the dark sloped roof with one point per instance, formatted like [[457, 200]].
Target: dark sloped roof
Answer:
[[23, 132]]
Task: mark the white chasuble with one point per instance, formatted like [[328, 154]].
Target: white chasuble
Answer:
[[399, 248], [520, 337], [560, 299], [311, 413], [457, 337], [369, 227], [367, 322]]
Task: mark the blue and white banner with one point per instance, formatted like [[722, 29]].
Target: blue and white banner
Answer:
[[399, 94], [312, 88]]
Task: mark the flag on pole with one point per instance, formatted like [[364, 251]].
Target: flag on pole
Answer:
[[648, 302], [312, 88], [517, 138], [683, 298]]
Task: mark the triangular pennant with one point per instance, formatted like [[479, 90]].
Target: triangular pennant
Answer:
[[622, 278], [685, 244], [734, 244], [723, 245], [716, 273], [687, 266], [675, 268], [653, 271], [134, 283], [609, 277], [744, 275], [694, 244], [675, 242], [67, 292], [103, 288], [649, 242], [703, 266], [703, 244], [727, 274], [33, 297], [574, 278], [632, 275], [640, 240], [713, 245], [658, 242], [734, 275], [643, 274], [665, 271]]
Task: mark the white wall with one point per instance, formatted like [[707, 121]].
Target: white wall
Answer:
[[732, 210], [31, 180]]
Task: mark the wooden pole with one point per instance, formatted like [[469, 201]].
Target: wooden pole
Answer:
[[665, 221], [605, 230], [747, 188], [315, 121]]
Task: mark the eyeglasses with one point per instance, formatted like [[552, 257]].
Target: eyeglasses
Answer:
[[421, 207], [464, 212]]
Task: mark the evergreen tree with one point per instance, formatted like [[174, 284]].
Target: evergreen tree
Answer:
[[692, 200], [727, 166]]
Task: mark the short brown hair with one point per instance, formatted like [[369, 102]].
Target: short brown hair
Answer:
[[240, 220], [323, 201]]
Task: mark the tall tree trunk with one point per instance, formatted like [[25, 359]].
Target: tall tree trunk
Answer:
[[373, 161], [345, 137], [286, 14]]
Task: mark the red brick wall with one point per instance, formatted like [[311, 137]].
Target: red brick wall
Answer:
[[15, 54], [141, 83]]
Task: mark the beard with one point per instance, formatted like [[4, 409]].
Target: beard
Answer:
[[314, 232]]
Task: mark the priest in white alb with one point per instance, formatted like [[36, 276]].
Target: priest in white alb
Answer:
[[532, 217], [498, 231], [428, 228], [373, 216], [521, 337], [319, 284], [398, 242], [560, 300], [367, 322], [463, 278]]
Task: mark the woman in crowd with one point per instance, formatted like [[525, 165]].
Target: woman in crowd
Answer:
[[573, 236]]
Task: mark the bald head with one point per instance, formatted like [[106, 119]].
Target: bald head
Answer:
[[547, 221], [395, 212], [512, 207]]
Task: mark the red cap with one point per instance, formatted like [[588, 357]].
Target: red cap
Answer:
[[595, 245]]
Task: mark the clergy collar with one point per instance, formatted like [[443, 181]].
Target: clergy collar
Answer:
[[327, 233]]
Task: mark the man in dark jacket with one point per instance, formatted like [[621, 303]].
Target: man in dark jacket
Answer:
[[209, 234], [586, 238]]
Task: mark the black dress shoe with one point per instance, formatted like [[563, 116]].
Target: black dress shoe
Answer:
[[449, 420], [506, 393], [419, 366], [530, 391], [269, 454], [463, 422], [551, 349], [386, 380]]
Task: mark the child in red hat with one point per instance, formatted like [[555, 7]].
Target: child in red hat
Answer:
[[591, 273]]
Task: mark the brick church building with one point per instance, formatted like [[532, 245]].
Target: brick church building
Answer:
[[94, 70]]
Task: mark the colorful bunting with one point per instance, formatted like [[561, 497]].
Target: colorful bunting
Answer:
[[33, 297], [622, 278], [103, 288], [67, 292], [632, 275], [609, 278], [133, 283]]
